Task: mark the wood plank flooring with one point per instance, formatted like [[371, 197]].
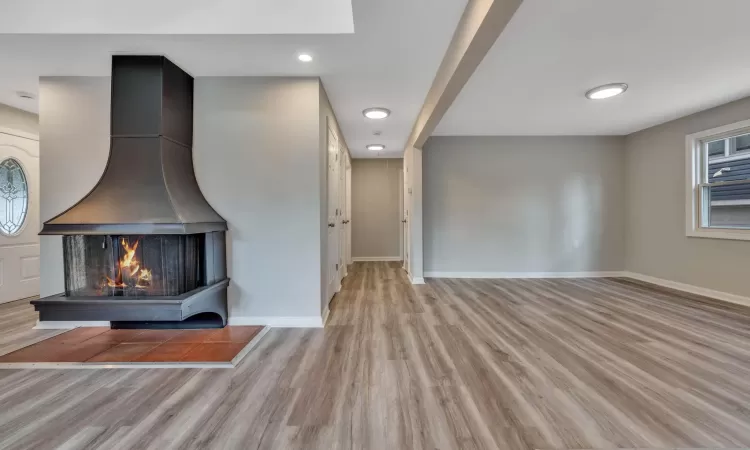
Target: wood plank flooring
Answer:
[[454, 364], [17, 320]]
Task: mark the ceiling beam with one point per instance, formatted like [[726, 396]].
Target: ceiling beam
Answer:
[[479, 27]]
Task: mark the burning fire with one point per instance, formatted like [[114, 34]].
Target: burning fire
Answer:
[[130, 273]]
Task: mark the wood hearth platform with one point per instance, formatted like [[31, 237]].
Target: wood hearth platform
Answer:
[[102, 347]]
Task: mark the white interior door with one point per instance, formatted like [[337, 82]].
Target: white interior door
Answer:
[[348, 211], [19, 215], [405, 219], [402, 209], [333, 214], [342, 225]]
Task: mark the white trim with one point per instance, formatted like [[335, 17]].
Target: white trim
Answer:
[[694, 165], [737, 127], [718, 295], [499, 275], [376, 258], [730, 203], [279, 322], [63, 325], [720, 233], [735, 157], [416, 280]]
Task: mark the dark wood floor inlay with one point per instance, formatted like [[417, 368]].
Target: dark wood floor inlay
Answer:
[[453, 364]]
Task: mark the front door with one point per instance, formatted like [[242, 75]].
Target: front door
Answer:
[[333, 213], [19, 215]]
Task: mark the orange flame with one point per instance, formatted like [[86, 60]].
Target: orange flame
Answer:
[[129, 272]]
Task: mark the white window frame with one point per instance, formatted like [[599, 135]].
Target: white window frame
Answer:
[[695, 164]]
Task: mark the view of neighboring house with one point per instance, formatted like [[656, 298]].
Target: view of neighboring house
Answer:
[[729, 162]]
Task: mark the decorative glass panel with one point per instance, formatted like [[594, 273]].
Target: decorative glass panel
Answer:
[[14, 197]]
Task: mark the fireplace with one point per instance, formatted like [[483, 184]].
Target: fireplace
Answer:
[[143, 248], [137, 266]]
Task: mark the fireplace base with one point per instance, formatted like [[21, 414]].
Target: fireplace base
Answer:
[[207, 299]]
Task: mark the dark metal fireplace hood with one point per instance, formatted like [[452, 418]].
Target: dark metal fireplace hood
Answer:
[[148, 185]]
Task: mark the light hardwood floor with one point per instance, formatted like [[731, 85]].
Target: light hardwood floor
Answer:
[[17, 320], [454, 364]]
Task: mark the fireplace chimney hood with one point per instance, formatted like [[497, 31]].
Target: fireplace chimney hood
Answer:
[[148, 185]]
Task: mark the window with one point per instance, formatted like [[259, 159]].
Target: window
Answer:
[[14, 197], [718, 191]]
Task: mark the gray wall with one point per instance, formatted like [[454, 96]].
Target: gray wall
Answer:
[[255, 142], [523, 204], [376, 208], [73, 150], [18, 120], [256, 147], [657, 245]]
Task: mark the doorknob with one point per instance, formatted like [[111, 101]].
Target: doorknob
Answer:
[[404, 221], [331, 225]]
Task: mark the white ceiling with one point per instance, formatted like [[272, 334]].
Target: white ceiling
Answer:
[[678, 56], [176, 16], [389, 61]]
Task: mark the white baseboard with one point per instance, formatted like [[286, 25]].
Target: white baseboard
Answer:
[[689, 288], [64, 325], [279, 322], [416, 280], [718, 295], [376, 258], [498, 275]]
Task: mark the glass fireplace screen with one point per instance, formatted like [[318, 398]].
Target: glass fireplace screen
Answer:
[[133, 266]]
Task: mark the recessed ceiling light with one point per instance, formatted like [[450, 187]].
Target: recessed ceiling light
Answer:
[[376, 113], [304, 57], [376, 147], [26, 95], [606, 91]]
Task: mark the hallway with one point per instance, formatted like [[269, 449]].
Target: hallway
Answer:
[[454, 364]]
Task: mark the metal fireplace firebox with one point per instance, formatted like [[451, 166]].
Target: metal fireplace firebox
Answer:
[[144, 248]]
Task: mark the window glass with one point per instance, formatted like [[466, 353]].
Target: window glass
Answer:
[[742, 143], [726, 188], [14, 197], [716, 149]]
